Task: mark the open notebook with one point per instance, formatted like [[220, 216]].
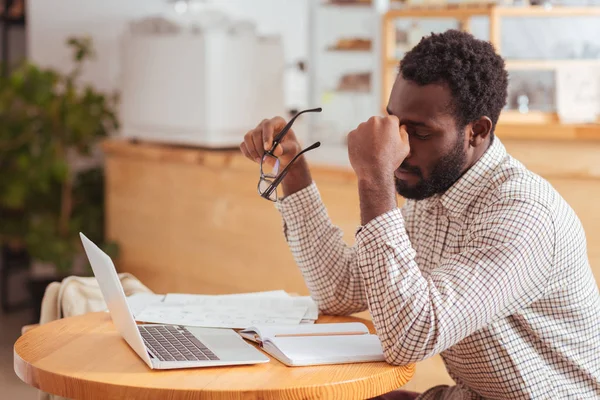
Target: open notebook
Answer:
[[317, 344]]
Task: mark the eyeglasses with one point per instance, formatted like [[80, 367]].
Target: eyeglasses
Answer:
[[270, 177]]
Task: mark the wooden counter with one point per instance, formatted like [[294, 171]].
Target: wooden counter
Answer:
[[190, 220]]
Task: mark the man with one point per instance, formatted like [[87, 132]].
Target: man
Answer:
[[485, 264]]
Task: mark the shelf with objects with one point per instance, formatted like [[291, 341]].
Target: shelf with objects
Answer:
[[542, 99], [343, 72], [14, 260]]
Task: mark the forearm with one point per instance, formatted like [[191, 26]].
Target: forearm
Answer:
[[399, 297], [377, 196], [298, 177], [327, 264]]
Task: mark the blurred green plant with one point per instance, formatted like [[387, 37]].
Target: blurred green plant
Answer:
[[49, 121]]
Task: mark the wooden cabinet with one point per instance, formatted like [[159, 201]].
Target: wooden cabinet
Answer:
[[191, 220]]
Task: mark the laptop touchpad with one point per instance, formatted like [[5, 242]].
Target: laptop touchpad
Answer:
[[226, 344]]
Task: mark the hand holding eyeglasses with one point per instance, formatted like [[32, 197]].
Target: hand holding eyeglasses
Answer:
[[260, 139], [275, 147]]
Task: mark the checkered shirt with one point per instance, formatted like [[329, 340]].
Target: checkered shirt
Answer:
[[493, 275]]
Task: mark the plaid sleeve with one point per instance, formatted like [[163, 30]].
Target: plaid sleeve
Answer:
[[327, 263], [505, 266]]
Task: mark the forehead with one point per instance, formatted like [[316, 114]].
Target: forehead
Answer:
[[421, 103]]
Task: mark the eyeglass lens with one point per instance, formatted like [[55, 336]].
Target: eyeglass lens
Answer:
[[269, 166], [263, 186]]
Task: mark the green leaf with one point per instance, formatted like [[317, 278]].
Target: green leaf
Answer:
[[44, 113]]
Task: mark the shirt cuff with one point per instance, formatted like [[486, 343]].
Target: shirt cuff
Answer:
[[387, 228], [297, 205]]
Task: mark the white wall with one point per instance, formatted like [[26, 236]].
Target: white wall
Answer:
[[51, 22]]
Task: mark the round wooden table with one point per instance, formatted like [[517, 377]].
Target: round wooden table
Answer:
[[84, 357]]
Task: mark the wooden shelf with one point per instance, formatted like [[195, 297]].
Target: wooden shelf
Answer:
[[530, 65], [354, 4], [538, 118], [351, 92], [548, 64], [532, 117], [469, 10], [342, 50], [16, 21], [548, 132], [554, 11], [463, 13], [458, 11]]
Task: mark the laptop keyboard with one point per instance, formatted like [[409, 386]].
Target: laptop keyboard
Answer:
[[174, 343]]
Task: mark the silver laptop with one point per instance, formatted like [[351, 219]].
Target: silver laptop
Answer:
[[167, 346]]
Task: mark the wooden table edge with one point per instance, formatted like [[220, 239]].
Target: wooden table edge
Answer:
[[29, 374]]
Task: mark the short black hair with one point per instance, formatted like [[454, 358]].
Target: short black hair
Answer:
[[475, 74]]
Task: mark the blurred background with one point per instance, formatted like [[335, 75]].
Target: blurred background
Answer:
[[122, 120]]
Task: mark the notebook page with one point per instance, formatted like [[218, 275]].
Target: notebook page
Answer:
[[267, 332], [330, 349]]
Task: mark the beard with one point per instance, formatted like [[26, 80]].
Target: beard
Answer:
[[447, 171]]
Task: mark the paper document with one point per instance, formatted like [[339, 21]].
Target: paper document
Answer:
[[238, 310], [181, 298], [138, 301], [277, 300], [272, 303], [220, 316], [312, 312]]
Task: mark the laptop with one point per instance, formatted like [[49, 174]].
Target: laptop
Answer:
[[167, 346]]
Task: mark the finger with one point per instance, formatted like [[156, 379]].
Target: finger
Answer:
[[269, 129], [393, 119], [404, 133], [285, 148], [279, 151], [404, 139], [244, 150], [257, 140], [250, 146]]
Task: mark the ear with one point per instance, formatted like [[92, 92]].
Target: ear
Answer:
[[479, 131]]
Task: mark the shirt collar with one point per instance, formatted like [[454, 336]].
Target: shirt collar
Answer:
[[465, 190]]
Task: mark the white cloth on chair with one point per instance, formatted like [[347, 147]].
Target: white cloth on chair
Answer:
[[76, 296]]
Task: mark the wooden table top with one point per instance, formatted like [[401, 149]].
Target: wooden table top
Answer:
[[84, 357]]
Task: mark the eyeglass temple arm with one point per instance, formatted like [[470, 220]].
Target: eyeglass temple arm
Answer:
[[288, 126], [283, 173]]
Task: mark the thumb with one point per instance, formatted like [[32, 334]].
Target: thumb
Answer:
[[403, 133]]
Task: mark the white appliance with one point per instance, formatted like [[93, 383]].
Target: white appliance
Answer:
[[199, 82]]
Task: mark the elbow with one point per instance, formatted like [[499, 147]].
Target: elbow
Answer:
[[412, 345], [399, 357], [334, 307]]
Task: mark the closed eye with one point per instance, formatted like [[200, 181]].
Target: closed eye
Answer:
[[417, 133]]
